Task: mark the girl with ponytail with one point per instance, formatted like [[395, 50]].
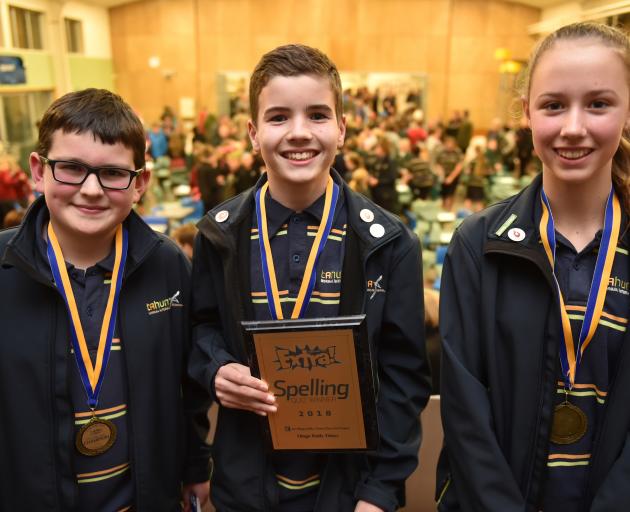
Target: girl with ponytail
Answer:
[[535, 303]]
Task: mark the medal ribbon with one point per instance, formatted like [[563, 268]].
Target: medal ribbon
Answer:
[[266, 257], [91, 375], [571, 355]]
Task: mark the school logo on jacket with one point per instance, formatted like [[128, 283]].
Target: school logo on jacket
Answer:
[[330, 276], [162, 305], [615, 284], [375, 286]]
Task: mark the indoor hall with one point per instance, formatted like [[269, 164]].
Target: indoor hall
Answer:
[[431, 97]]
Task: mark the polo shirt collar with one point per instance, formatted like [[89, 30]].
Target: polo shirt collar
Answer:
[[278, 215]]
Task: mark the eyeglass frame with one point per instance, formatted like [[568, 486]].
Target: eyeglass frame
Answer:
[[91, 170]]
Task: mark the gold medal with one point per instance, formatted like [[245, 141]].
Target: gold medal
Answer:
[[569, 424], [96, 436]]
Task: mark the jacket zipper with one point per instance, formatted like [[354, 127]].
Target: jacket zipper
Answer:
[[132, 451], [368, 255], [545, 272], [443, 490]]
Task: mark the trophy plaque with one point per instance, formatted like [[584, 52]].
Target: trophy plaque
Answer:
[[320, 371]]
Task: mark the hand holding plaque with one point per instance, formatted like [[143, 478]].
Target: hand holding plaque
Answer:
[[237, 389]]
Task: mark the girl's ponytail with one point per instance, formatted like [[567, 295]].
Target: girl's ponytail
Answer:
[[621, 170]]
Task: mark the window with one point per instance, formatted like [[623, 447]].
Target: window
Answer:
[[74, 35], [26, 28], [19, 114], [17, 118]]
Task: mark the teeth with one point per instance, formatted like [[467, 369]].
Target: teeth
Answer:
[[304, 155], [573, 154]]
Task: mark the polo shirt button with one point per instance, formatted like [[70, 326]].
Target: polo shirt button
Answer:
[[296, 258], [297, 219]]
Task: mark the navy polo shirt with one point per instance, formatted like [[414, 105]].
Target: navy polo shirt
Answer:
[[104, 481], [568, 464], [291, 236]]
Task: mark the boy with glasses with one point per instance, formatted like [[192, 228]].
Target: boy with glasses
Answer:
[[97, 411]]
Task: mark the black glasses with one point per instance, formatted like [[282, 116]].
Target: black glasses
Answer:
[[75, 173]]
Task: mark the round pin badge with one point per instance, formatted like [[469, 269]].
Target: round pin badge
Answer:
[[222, 216], [366, 215], [516, 234], [377, 231]]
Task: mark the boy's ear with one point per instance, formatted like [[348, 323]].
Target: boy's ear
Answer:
[[342, 132], [37, 171], [140, 184], [253, 135]]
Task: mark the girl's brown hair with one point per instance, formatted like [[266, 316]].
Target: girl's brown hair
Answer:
[[618, 41]]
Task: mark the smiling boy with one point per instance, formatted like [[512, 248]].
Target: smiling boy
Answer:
[[297, 125], [97, 411]]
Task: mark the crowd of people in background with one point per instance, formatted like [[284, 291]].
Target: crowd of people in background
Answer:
[[390, 147]]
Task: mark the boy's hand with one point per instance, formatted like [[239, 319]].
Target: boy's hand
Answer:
[[364, 506], [201, 490], [237, 389]]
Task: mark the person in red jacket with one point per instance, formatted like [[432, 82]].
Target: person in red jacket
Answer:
[[14, 186]]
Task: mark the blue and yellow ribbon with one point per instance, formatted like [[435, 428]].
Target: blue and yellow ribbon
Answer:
[[266, 256], [570, 354], [91, 375]]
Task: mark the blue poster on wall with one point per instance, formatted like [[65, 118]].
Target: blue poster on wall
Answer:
[[12, 70]]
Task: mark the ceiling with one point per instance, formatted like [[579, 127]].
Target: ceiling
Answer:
[[541, 4], [108, 3], [534, 3]]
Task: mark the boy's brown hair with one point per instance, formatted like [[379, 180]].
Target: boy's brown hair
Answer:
[[98, 111], [293, 60], [185, 234]]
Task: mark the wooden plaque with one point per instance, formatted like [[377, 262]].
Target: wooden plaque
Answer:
[[321, 374]]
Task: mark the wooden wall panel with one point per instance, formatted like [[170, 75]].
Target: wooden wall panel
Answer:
[[470, 18], [453, 41]]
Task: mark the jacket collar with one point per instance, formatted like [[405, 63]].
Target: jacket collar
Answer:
[[522, 212], [518, 225], [23, 253], [221, 224]]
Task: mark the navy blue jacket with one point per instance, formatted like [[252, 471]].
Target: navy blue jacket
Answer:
[[243, 479], [167, 411], [500, 331]]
